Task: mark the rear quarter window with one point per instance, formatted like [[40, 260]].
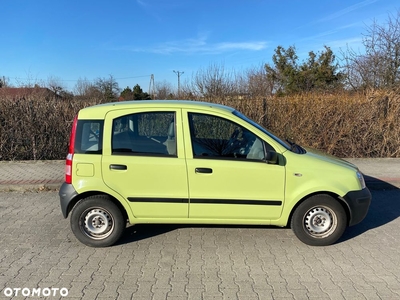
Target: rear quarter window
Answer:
[[89, 137]]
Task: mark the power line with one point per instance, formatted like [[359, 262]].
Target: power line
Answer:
[[39, 79]]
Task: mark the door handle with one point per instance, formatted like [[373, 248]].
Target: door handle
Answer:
[[118, 167], [203, 170]]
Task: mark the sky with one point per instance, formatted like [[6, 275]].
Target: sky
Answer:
[[130, 40]]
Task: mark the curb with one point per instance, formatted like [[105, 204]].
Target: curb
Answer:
[[30, 187]]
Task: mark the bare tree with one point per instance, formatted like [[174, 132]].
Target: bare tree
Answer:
[[4, 82], [379, 65], [214, 82], [82, 87], [108, 88], [164, 90], [258, 84], [56, 85], [102, 89]]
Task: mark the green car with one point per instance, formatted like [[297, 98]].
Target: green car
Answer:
[[187, 162]]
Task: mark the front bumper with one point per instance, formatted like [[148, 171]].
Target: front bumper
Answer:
[[67, 194], [358, 203]]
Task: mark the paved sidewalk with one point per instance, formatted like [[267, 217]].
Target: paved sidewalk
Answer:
[[380, 173], [31, 175]]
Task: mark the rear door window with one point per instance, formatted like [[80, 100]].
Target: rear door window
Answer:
[[149, 133]]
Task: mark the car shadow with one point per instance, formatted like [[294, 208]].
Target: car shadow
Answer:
[[378, 184], [384, 208], [144, 231]]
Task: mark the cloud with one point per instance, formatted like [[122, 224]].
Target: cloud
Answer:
[[252, 46], [344, 43], [200, 45], [331, 32], [339, 13], [141, 3], [347, 10]]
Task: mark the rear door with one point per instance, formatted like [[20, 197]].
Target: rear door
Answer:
[[144, 161], [228, 175]]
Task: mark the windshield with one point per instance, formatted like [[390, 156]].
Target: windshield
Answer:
[[258, 126]]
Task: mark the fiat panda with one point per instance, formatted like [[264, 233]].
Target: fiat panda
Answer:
[[187, 162]]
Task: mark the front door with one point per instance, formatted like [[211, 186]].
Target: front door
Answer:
[[227, 172]]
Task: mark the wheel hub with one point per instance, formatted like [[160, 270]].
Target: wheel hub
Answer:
[[98, 223], [318, 221]]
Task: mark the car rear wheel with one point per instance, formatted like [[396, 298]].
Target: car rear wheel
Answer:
[[319, 221], [97, 222]]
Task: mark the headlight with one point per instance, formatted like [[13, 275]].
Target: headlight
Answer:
[[361, 180]]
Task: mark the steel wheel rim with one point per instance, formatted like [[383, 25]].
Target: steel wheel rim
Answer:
[[320, 221], [97, 223]]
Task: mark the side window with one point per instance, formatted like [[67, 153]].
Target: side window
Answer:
[[215, 137], [89, 137], [151, 133]]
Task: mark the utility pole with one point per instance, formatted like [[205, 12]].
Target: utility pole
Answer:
[[179, 82], [151, 87]]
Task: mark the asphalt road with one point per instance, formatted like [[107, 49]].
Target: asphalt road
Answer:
[[39, 255]]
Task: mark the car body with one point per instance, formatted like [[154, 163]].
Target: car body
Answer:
[[188, 162]]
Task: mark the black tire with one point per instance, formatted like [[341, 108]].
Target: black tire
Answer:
[[319, 221], [97, 222]]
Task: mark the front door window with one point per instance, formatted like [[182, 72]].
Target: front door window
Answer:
[[215, 137]]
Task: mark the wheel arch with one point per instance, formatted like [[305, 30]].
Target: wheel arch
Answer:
[[84, 195], [332, 195]]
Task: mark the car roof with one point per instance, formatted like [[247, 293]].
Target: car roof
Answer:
[[99, 110]]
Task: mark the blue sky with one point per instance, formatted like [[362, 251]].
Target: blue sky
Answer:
[[132, 39]]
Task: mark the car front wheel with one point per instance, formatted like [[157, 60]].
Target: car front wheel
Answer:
[[319, 221], [97, 222]]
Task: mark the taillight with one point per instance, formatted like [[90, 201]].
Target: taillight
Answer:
[[68, 169], [70, 155]]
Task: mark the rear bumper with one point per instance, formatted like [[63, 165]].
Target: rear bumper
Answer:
[[67, 193], [358, 203]]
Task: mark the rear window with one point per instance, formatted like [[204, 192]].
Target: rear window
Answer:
[[89, 137]]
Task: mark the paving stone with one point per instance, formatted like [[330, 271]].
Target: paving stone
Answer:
[[37, 249]]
